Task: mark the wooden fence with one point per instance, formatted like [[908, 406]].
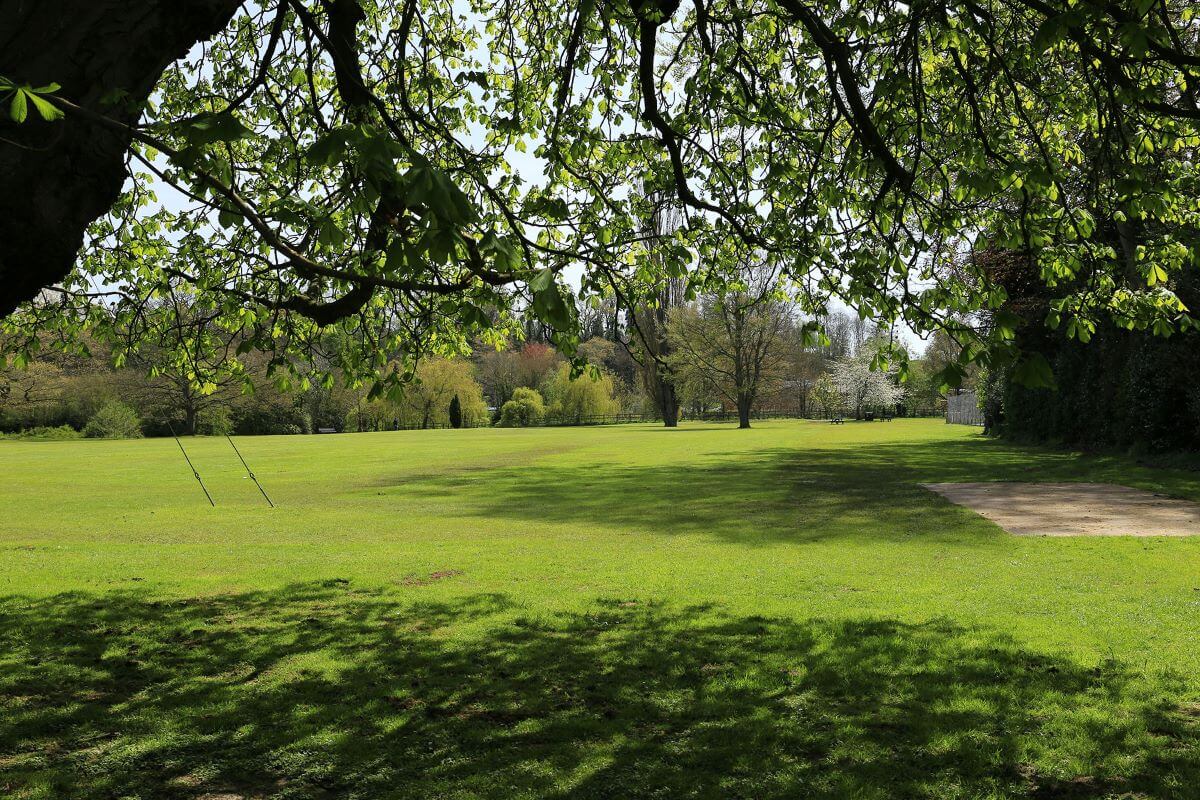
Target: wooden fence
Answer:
[[963, 409]]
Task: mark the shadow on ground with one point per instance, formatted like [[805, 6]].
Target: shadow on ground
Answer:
[[327, 691], [770, 496]]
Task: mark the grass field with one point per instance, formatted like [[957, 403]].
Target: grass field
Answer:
[[605, 612]]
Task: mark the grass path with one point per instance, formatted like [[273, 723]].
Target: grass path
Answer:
[[603, 612]]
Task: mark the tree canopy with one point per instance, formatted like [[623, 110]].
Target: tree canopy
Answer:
[[367, 178]]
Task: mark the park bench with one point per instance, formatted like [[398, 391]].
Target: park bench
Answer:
[[837, 421], [326, 430]]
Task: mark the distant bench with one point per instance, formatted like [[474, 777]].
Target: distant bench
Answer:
[[837, 421], [326, 430]]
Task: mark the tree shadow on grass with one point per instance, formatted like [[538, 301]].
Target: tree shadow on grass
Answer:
[[771, 496], [326, 691]]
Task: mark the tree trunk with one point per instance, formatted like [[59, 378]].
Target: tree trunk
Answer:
[[57, 178], [668, 404], [743, 408]]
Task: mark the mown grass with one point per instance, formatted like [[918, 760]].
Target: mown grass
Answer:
[[610, 612]]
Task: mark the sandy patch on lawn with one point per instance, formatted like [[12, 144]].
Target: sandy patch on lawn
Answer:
[[1074, 509]]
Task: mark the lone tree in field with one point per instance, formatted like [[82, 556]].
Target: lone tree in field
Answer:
[[348, 163], [731, 343], [189, 359]]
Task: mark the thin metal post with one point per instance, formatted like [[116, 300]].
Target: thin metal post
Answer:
[[249, 471], [190, 466]]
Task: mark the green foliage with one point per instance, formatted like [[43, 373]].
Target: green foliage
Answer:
[[1123, 390], [45, 433], [863, 144], [1120, 386], [426, 401], [730, 346], [19, 98], [55, 389], [276, 416], [524, 409], [216, 421], [923, 389], [456, 415], [826, 397], [989, 392], [575, 400], [114, 420]]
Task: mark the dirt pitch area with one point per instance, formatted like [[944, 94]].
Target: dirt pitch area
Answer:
[[1074, 509]]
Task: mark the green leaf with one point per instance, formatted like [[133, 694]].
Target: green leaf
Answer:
[[435, 188], [47, 110], [328, 149], [504, 255], [330, 234], [1006, 323], [227, 218], [552, 208], [542, 281], [949, 377], [396, 256], [1049, 33], [1034, 371], [19, 108], [209, 127], [550, 306]]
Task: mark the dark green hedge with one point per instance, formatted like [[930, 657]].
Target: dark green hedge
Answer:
[[1123, 389]]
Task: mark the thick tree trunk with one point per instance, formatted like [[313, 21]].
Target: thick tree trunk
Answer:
[[743, 408], [57, 178], [668, 404]]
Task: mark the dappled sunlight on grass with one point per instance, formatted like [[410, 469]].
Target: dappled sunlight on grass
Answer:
[[327, 690], [606, 612]]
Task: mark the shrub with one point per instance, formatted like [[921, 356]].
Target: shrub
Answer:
[[575, 401], [430, 400], [114, 420], [44, 432], [526, 408], [265, 418], [456, 417], [215, 421]]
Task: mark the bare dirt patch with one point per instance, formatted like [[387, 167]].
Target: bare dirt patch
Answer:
[[440, 575], [1074, 509]]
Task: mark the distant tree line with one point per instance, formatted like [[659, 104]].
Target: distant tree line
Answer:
[[737, 352]]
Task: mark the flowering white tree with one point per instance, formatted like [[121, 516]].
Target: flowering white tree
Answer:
[[862, 387]]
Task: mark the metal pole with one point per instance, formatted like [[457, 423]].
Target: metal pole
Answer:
[[249, 471], [190, 466]]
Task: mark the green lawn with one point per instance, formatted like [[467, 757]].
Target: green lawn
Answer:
[[605, 612]]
